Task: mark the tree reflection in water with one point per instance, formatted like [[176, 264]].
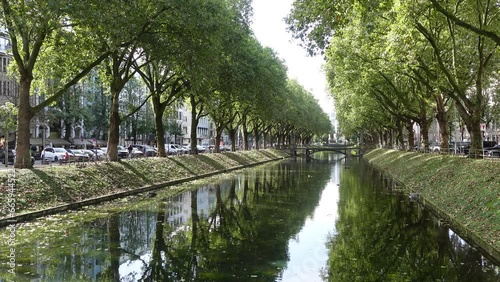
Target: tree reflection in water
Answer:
[[382, 238], [243, 235], [239, 229]]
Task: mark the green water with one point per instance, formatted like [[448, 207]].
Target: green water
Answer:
[[323, 220]]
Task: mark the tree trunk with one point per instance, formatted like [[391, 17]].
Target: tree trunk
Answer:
[[399, 138], [232, 135], [477, 108], [160, 135], [424, 133], [194, 126], [67, 130], [114, 128], [265, 136], [256, 138], [218, 137], [411, 135], [114, 247], [442, 120], [444, 133], [158, 110], [24, 116], [245, 137], [474, 127]]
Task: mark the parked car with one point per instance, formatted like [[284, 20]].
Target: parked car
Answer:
[[91, 154], [36, 154], [486, 146], [79, 155], [122, 152], [225, 148], [180, 149], [136, 153], [493, 152], [222, 148], [55, 155], [100, 152], [10, 156], [186, 149], [146, 149], [201, 149], [173, 149], [435, 148], [462, 146]]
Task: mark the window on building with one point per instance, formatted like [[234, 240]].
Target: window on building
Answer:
[[16, 89], [4, 64]]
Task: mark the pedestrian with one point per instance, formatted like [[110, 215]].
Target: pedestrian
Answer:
[[130, 148]]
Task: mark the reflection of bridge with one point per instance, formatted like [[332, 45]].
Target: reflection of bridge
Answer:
[[346, 149]]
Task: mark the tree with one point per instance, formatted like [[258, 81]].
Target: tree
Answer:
[[466, 61], [445, 57], [97, 104], [490, 9], [124, 37], [134, 111], [235, 83], [55, 32], [166, 87], [208, 26]]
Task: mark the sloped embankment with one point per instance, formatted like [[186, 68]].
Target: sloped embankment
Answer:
[[64, 185], [466, 192]]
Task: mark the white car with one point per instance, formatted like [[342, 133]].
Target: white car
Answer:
[[122, 152], [136, 153], [172, 149], [180, 149], [55, 154], [100, 153], [201, 149], [186, 149]]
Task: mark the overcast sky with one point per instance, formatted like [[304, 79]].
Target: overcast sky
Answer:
[[270, 30]]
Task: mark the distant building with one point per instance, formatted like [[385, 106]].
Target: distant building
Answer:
[[9, 88], [204, 132]]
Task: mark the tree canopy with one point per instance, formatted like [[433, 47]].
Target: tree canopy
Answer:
[[204, 47], [392, 64]]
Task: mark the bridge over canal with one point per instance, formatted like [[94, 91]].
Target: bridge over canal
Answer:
[[345, 149]]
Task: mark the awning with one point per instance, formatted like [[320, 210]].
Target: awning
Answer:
[[80, 142], [48, 141], [100, 142]]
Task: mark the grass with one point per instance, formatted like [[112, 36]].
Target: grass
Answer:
[[40, 188], [466, 190]]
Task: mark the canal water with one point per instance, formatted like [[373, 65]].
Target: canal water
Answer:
[[293, 220]]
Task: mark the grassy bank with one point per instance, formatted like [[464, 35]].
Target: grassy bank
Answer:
[[465, 191], [41, 188]]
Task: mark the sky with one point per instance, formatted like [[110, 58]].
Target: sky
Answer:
[[270, 29]]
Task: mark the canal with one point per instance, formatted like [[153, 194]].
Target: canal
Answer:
[[293, 220]]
